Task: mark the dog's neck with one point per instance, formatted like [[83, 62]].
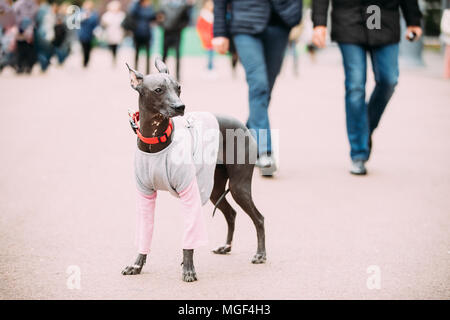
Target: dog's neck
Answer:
[[153, 125]]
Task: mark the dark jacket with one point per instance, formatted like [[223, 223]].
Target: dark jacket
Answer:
[[349, 20], [87, 26], [143, 16], [252, 16], [176, 15]]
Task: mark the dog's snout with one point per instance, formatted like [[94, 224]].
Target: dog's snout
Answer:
[[180, 107]]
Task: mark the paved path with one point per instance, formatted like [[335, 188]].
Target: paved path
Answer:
[[67, 190]]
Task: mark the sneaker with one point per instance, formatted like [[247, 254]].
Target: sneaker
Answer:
[[266, 165], [358, 167]]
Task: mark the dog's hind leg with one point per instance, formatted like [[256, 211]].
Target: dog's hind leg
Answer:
[[220, 181], [240, 187]]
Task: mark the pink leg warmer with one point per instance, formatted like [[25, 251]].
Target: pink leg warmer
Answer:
[[195, 234], [146, 215]]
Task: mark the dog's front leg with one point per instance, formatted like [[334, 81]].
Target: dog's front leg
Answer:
[[189, 274], [137, 266], [195, 234]]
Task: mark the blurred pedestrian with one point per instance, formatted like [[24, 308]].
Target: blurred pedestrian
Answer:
[[205, 31], [25, 13], [376, 33], [8, 32], [445, 30], [112, 24], [260, 30], [294, 37], [143, 14], [61, 41], [89, 20], [44, 33], [176, 16]]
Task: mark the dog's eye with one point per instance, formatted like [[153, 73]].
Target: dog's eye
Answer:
[[158, 90], [179, 88]]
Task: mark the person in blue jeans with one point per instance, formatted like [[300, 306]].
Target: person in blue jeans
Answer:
[[358, 37], [260, 31], [89, 20]]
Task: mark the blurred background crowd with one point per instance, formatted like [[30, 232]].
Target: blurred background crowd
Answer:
[[42, 32]]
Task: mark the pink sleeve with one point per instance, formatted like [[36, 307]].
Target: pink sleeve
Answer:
[[146, 215], [195, 234]]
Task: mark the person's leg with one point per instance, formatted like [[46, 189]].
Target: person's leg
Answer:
[[166, 43], [113, 48], [30, 57], [275, 41], [177, 42], [20, 56], [62, 53], [251, 53], [355, 65], [210, 65], [147, 54], [86, 51], [385, 68], [89, 50], [447, 62], [137, 45]]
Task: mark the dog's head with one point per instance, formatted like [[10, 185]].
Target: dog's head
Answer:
[[158, 92]]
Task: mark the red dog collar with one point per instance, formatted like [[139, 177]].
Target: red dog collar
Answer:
[[134, 120]]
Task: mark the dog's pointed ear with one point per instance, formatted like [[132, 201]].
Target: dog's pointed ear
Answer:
[[136, 78], [161, 66]]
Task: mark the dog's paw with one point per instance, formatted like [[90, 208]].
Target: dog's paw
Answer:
[[189, 276], [223, 249], [259, 258], [131, 270]]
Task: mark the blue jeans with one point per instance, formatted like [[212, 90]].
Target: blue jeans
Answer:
[[262, 56], [362, 118], [210, 59]]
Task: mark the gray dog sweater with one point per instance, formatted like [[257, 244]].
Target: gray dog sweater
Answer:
[[192, 153]]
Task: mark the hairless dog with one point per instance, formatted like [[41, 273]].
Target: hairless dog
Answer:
[[159, 101]]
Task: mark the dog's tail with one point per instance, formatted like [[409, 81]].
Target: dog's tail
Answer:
[[220, 199]]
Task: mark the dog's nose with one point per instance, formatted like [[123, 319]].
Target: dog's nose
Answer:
[[180, 107]]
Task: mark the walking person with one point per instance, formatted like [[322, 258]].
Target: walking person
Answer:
[[176, 16], [44, 34], [143, 14], [294, 37], [112, 24], [377, 34], [8, 33], [260, 30], [61, 41], [89, 20], [204, 27], [25, 13]]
